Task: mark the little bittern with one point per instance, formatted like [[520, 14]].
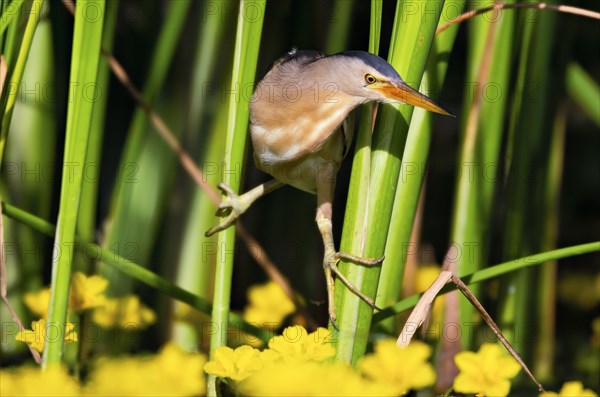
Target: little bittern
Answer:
[[297, 115]]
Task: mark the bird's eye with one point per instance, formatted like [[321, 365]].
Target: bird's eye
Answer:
[[370, 79]]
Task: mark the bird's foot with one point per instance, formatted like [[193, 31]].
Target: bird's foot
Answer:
[[330, 267], [357, 259], [231, 207]]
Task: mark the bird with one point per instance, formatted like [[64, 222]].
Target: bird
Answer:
[[300, 134]]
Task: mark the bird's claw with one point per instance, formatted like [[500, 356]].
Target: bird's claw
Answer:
[[230, 203], [330, 264], [334, 323], [230, 208], [358, 259]]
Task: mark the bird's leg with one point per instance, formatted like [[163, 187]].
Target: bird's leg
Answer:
[[331, 256], [232, 205]]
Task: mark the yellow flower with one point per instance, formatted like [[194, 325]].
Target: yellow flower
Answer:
[[181, 368], [268, 305], [87, 292], [38, 302], [127, 312], [269, 357], [36, 337], [401, 368], [487, 372], [571, 389], [33, 381], [311, 379], [234, 364], [295, 344], [112, 377], [172, 372]]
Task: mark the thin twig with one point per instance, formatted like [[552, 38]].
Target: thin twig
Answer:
[[188, 164], [421, 311], [494, 327], [4, 289], [540, 6]]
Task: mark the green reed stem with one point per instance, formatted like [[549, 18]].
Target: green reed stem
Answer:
[[411, 41], [85, 59], [247, 44]]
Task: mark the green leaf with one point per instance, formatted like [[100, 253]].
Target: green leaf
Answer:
[[87, 37]]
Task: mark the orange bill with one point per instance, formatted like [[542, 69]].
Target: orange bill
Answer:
[[406, 94]]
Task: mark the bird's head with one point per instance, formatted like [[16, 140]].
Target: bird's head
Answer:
[[372, 78]]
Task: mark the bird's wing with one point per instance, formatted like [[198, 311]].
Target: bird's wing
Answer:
[[302, 57], [347, 129]]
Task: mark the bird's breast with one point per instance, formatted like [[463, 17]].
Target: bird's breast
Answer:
[[282, 139]]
